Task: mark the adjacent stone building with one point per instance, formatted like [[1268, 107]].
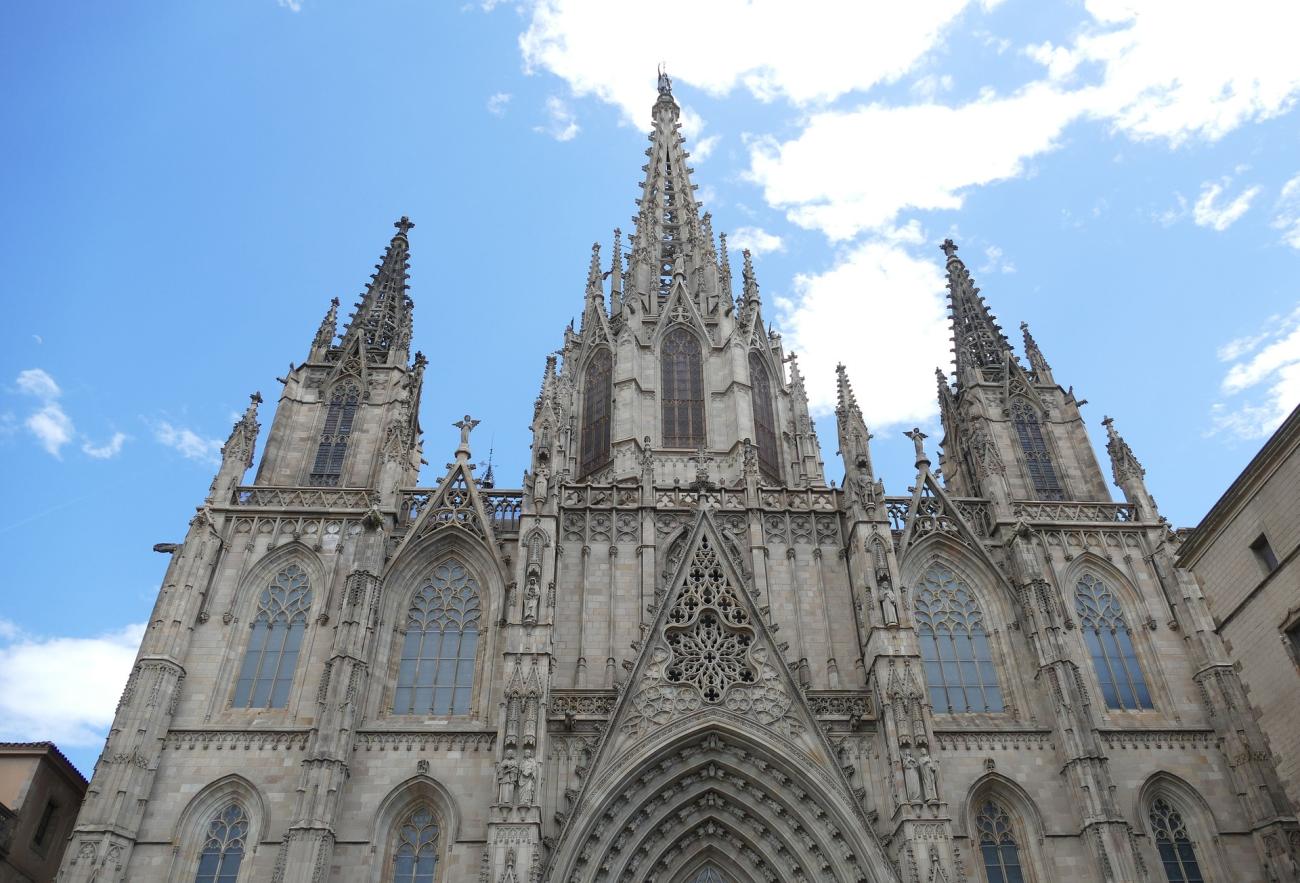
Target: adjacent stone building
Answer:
[[677, 653], [1246, 554], [40, 792]]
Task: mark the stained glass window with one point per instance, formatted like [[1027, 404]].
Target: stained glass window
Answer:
[[760, 395], [436, 674], [1037, 456], [708, 874], [954, 645], [1176, 851], [998, 844], [276, 639], [223, 851], [416, 857], [682, 378], [327, 470], [1110, 644], [595, 411]]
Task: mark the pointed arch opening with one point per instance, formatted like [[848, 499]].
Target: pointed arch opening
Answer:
[[1006, 829], [1182, 828], [681, 376], [761, 402], [440, 643], [223, 850], [1110, 644], [959, 670], [596, 411], [413, 828], [327, 468], [275, 641], [217, 833], [1038, 456]]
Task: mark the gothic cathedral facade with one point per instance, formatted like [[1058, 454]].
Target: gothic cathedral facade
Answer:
[[678, 654]]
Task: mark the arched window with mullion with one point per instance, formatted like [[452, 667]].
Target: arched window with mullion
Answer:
[[955, 648], [1114, 659], [223, 850], [415, 859], [997, 842], [440, 645], [1038, 457], [1177, 852], [327, 469], [596, 401], [760, 396], [275, 641], [681, 391]]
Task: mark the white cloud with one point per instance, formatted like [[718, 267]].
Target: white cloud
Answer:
[[1263, 389], [1286, 215], [188, 443], [814, 54], [756, 239], [561, 124], [105, 451], [39, 340], [291, 5], [703, 147], [1208, 213], [49, 423], [35, 382], [884, 289], [60, 688], [997, 262], [496, 105]]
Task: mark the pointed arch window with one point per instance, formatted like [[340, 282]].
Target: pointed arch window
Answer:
[[1038, 458], [682, 378], [436, 674], [1111, 645], [223, 851], [708, 874], [998, 847], [415, 860], [327, 469], [1177, 854], [275, 641], [760, 397], [954, 645], [596, 395]]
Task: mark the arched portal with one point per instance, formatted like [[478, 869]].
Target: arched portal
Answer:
[[710, 793]]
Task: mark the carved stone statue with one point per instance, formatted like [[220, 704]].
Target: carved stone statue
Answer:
[[508, 778], [532, 598], [911, 777], [889, 605], [929, 782], [528, 770]]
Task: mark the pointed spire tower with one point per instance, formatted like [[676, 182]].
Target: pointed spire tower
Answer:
[[382, 320], [978, 341], [1038, 366]]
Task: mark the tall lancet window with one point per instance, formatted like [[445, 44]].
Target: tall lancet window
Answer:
[[998, 845], [760, 398], [436, 674], [276, 638], [954, 645], [1110, 644], [1037, 456], [682, 380], [223, 851], [416, 858], [327, 470], [596, 392], [1176, 851]]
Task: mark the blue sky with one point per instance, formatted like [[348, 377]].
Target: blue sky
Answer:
[[186, 185]]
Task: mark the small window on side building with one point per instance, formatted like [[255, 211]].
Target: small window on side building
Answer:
[[1264, 553], [43, 827]]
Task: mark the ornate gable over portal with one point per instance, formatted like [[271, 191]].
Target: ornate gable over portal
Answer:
[[712, 755]]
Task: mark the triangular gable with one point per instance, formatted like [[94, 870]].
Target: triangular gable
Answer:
[[932, 510], [455, 505], [351, 361], [680, 308]]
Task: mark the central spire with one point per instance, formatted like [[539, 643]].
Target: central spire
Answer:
[[978, 341], [668, 238], [383, 316]]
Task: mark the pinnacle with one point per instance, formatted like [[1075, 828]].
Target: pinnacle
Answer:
[[844, 389]]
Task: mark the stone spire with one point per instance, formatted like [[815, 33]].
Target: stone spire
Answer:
[[616, 274], [383, 316], [749, 284], [1037, 364], [1128, 472], [978, 341], [724, 267], [326, 333], [668, 225], [237, 453], [854, 436], [805, 431]]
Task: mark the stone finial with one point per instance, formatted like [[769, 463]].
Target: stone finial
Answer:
[[466, 426], [403, 225], [949, 248], [918, 440], [665, 82]]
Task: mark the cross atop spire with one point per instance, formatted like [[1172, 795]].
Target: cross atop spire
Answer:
[[978, 341]]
